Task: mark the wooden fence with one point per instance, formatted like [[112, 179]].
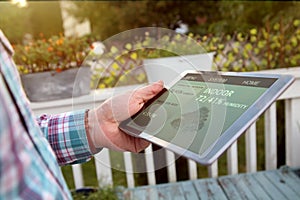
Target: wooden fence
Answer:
[[291, 100]]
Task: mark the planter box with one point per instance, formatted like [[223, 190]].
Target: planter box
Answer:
[[47, 86], [168, 68]]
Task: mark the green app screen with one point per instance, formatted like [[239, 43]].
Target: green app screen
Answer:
[[195, 111]]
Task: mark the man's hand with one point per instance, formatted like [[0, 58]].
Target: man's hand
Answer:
[[103, 122]]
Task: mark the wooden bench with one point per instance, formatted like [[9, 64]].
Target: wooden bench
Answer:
[[281, 184]]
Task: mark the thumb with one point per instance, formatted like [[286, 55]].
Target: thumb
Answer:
[[145, 93]]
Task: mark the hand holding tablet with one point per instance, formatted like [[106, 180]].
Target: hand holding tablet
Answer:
[[200, 114]]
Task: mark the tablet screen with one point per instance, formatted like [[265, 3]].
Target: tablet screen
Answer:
[[197, 109]]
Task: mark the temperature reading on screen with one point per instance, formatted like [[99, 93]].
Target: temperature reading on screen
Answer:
[[209, 99]]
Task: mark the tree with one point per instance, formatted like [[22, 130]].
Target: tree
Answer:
[[14, 23], [36, 18], [203, 17], [109, 18]]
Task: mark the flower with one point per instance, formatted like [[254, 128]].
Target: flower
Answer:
[[57, 53]]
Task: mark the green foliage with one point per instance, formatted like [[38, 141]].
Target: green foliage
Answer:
[[38, 17], [54, 54], [14, 31], [269, 47], [273, 46], [103, 193], [108, 18], [126, 59], [217, 17]]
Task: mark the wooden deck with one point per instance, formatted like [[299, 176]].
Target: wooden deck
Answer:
[[283, 183]]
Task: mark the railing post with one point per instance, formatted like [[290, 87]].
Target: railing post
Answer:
[[251, 153], [171, 166], [292, 117], [150, 165], [192, 169], [129, 169], [78, 177], [232, 159], [213, 170], [271, 138], [103, 168]]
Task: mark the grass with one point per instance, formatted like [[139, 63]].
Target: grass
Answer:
[[104, 193], [89, 174]]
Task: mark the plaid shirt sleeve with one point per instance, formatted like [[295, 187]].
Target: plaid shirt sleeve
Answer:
[[67, 136]]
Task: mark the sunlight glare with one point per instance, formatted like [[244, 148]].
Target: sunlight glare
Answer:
[[20, 3]]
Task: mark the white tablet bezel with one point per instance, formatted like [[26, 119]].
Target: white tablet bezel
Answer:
[[235, 130]]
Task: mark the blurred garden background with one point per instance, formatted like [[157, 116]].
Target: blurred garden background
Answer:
[[246, 36]]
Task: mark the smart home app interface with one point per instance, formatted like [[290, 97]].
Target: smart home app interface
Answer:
[[195, 111]]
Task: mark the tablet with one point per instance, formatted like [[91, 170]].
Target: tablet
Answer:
[[200, 114]]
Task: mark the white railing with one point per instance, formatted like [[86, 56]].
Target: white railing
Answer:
[[292, 130]]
